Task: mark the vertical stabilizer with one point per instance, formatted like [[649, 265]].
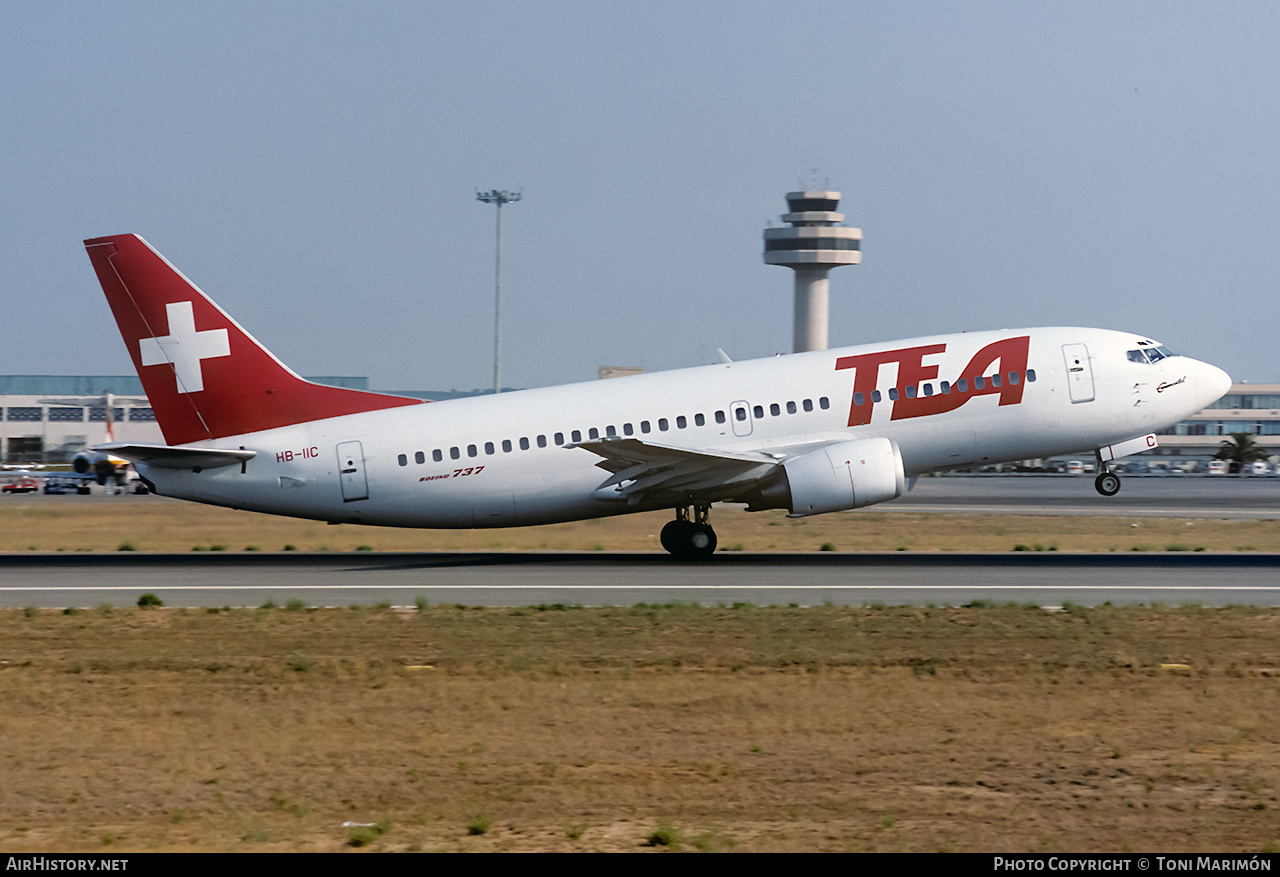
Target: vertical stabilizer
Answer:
[[204, 375]]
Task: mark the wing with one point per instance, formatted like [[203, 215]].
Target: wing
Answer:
[[178, 458], [644, 472]]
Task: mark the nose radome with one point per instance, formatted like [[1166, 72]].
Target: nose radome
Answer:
[[1212, 383]]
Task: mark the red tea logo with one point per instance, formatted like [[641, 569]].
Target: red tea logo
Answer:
[[912, 372]]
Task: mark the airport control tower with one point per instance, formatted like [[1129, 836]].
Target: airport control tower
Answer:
[[812, 246]]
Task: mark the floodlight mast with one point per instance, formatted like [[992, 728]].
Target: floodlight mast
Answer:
[[498, 197]]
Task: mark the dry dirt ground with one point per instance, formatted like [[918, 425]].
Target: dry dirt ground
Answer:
[[987, 728]]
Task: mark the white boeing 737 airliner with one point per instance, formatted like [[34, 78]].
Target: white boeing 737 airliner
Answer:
[[812, 432]]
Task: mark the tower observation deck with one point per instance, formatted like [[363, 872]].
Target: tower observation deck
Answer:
[[812, 245]]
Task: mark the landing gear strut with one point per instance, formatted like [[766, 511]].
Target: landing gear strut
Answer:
[[690, 539], [1107, 483]]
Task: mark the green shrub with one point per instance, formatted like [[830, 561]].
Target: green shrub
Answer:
[[664, 836]]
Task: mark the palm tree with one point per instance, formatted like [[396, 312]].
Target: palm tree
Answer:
[[1239, 449]]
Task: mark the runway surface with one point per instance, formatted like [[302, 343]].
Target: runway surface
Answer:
[[1171, 496], [595, 579], [601, 578]]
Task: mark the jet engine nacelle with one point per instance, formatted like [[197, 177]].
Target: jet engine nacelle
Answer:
[[847, 475]]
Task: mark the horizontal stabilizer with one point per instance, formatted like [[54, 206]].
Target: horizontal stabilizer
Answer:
[[167, 457]]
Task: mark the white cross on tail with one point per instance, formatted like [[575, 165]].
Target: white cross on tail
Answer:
[[184, 347]]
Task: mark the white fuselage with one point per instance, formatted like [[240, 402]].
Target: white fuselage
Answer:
[[509, 459]]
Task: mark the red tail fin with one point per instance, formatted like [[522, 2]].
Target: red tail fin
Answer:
[[205, 376]]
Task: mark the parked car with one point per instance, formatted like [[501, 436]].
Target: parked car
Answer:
[[22, 485]]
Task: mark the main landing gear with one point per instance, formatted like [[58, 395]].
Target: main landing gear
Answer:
[[690, 539]]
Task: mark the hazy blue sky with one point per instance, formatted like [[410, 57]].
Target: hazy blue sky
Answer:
[[313, 167]]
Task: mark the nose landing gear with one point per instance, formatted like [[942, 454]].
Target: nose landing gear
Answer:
[[690, 539], [1107, 484]]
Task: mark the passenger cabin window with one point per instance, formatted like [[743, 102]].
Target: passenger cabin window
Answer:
[[454, 453], [791, 407], [419, 457], [719, 417], [681, 423], [403, 460], [506, 445], [808, 404], [437, 455], [699, 420], [824, 403], [524, 442]]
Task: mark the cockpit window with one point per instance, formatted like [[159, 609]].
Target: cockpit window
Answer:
[[1150, 354]]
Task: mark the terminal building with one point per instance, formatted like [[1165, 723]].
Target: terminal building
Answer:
[[1248, 408], [51, 418]]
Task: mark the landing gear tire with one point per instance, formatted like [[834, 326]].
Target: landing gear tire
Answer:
[[672, 535], [700, 541], [1107, 484], [688, 540]]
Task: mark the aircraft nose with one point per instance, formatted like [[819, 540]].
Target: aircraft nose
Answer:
[[1212, 383]]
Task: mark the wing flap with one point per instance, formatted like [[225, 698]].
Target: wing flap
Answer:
[[645, 471]]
